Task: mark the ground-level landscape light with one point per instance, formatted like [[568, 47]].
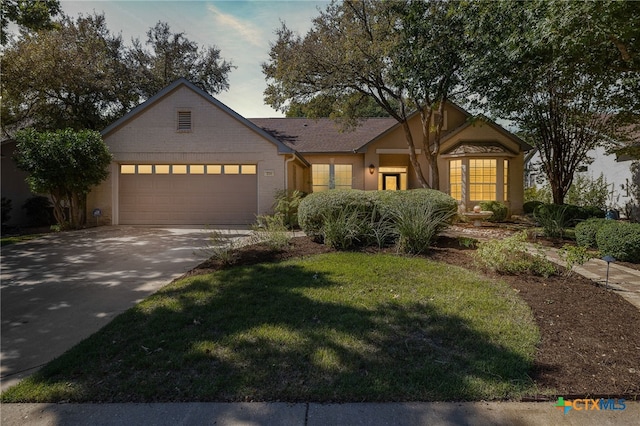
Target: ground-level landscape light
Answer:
[[608, 259]]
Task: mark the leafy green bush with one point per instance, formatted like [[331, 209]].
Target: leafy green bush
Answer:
[[591, 212], [510, 256], [39, 211], [586, 232], [6, 209], [315, 207], [555, 217], [499, 210], [620, 240], [530, 206], [588, 192], [542, 194], [286, 205], [574, 255]]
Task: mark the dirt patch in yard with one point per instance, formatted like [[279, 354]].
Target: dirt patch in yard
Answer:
[[590, 343]]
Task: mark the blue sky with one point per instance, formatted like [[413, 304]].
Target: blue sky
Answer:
[[242, 30]]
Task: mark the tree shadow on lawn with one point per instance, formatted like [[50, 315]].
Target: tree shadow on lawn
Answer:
[[278, 332]]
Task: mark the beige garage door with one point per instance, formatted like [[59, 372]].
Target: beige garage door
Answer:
[[181, 194]]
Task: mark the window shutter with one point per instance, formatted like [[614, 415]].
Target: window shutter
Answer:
[[184, 121]]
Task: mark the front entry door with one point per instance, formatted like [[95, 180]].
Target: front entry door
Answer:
[[391, 181]]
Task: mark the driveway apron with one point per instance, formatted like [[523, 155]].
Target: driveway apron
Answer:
[[61, 288]]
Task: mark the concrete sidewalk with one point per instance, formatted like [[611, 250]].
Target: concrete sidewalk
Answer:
[[312, 414], [623, 280]]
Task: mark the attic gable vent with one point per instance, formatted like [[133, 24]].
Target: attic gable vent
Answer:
[[184, 121]]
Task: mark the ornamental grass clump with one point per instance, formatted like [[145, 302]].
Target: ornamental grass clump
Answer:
[[418, 223], [351, 218], [272, 231], [511, 255]]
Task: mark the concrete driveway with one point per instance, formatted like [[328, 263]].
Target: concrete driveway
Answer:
[[61, 288]]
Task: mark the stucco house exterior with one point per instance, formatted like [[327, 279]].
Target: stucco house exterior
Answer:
[[182, 157]]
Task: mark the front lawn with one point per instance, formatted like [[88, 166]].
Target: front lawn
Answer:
[[330, 327]]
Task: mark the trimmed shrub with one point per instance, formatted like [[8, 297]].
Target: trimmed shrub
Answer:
[[530, 206], [592, 212], [6, 209], [39, 211], [356, 217], [586, 232], [315, 207], [570, 214], [500, 210], [620, 240]]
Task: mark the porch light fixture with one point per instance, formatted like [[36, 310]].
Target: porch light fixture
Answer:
[[372, 169]]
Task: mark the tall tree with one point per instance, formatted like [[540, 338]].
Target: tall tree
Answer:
[[73, 76], [31, 14], [374, 49], [172, 56], [565, 73], [336, 108], [66, 164]]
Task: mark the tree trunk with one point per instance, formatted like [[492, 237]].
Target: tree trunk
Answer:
[[58, 209], [431, 150], [412, 155]]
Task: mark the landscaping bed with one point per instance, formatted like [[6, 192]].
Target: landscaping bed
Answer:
[[590, 343]]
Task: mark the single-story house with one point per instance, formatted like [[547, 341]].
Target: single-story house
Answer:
[[183, 157]]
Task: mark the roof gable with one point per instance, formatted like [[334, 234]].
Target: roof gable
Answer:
[[158, 97], [484, 120]]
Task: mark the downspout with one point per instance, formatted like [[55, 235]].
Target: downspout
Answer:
[[286, 172]]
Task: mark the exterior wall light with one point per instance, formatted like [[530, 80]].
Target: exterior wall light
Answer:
[[372, 169]]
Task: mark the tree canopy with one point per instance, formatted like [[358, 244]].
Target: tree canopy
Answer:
[[171, 56], [72, 76], [359, 49], [31, 14], [564, 73], [65, 164], [80, 75]]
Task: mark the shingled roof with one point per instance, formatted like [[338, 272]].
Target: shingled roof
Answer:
[[307, 135]]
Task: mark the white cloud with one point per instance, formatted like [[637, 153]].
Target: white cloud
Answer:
[[244, 29]]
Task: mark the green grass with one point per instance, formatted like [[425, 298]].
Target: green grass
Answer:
[[6, 241], [333, 327]]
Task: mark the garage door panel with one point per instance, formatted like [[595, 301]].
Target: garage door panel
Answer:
[[188, 199]]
